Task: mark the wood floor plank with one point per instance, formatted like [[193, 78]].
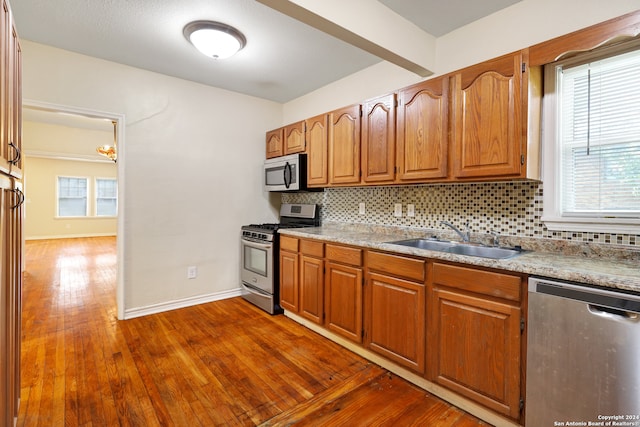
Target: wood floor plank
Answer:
[[225, 363]]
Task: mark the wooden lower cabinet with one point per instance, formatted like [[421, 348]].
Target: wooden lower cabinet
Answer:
[[344, 300], [11, 199], [474, 338], [395, 314], [312, 288], [289, 278]]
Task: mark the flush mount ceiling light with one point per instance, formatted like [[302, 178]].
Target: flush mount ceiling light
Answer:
[[214, 39]]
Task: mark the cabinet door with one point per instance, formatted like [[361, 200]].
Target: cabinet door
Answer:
[[10, 298], [488, 128], [343, 301], [289, 281], [294, 138], [474, 345], [396, 320], [275, 147], [6, 346], [379, 139], [312, 288], [5, 98], [15, 90], [344, 145], [423, 131], [14, 229], [317, 151]]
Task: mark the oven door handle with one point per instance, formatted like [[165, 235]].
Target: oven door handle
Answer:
[[287, 168], [247, 287], [257, 245]]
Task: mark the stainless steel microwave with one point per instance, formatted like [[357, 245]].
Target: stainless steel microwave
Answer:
[[286, 173]]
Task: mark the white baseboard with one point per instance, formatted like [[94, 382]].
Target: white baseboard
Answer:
[[69, 236], [181, 303]]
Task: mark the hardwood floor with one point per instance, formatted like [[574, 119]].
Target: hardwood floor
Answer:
[[220, 364]]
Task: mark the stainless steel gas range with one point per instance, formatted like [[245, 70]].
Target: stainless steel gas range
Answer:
[[260, 248]]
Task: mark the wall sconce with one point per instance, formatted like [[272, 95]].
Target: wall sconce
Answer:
[[214, 39], [110, 150]]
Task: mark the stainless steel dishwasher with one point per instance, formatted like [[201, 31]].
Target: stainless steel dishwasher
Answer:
[[583, 356]]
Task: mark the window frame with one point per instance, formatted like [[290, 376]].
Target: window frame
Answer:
[[95, 198], [552, 215], [87, 197]]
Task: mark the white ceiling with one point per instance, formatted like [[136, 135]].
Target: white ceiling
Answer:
[[283, 58]]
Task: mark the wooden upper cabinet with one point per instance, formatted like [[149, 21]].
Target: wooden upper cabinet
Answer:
[[317, 151], [5, 99], [379, 139], [344, 145], [488, 118], [11, 96], [294, 138], [423, 133], [275, 143], [15, 143]]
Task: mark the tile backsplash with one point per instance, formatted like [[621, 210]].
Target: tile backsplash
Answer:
[[510, 208]]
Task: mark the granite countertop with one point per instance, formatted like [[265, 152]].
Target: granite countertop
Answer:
[[547, 259]]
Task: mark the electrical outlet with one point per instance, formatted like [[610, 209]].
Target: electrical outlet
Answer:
[[397, 209], [411, 210], [361, 208], [192, 272]]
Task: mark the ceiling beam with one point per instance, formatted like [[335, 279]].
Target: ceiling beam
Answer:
[[368, 25]]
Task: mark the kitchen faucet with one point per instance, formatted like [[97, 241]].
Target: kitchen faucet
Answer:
[[465, 236]]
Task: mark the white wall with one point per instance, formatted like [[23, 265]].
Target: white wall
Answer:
[[192, 157], [41, 219], [524, 24]]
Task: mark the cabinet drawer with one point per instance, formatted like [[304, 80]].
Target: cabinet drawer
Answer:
[[499, 285], [344, 255], [312, 248], [409, 268], [289, 243]]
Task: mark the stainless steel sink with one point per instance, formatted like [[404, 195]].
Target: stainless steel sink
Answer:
[[461, 248], [484, 251], [428, 244]]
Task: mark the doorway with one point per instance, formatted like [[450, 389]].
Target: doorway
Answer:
[[81, 118]]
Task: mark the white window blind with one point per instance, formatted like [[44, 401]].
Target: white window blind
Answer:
[[599, 137], [106, 197], [72, 196]]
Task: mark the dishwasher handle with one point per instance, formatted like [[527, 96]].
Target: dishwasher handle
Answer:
[[613, 313], [600, 299]]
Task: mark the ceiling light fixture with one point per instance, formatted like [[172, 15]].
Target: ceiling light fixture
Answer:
[[109, 150], [214, 39]]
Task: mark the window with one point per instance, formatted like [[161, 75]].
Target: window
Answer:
[[106, 197], [72, 196], [592, 140]]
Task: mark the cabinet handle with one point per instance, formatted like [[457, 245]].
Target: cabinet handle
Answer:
[[18, 155], [20, 198]]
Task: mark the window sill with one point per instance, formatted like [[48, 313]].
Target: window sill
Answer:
[[84, 217], [593, 225]]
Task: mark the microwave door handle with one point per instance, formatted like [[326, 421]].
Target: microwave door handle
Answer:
[[287, 168]]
